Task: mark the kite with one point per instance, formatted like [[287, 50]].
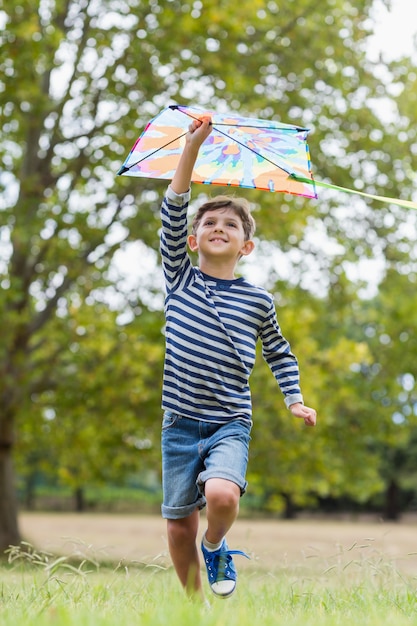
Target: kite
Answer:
[[239, 152]]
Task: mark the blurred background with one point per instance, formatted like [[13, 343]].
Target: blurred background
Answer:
[[81, 290]]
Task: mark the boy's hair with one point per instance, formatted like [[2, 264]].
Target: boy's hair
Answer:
[[239, 205]]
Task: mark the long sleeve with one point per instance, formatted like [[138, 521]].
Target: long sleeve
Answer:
[[277, 353], [174, 235]]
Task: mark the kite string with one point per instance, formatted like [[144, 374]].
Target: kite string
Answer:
[[386, 199]]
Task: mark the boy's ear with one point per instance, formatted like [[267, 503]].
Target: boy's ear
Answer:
[[192, 243], [247, 247]]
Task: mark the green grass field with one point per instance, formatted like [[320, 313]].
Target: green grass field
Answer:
[[39, 589]]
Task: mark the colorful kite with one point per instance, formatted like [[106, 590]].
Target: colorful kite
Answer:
[[239, 152]]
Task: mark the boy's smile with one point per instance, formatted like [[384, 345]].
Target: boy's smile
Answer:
[[219, 233]]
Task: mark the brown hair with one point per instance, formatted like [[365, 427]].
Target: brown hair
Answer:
[[239, 205]]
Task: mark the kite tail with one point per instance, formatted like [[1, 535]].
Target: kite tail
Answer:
[[399, 202]]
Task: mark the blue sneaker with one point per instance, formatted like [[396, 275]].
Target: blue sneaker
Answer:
[[221, 570]]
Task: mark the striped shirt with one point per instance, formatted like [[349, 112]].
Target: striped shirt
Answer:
[[212, 327]]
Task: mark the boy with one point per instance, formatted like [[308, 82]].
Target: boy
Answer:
[[213, 321]]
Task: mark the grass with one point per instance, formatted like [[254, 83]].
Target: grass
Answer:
[[38, 588]]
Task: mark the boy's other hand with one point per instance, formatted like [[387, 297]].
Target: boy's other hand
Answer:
[[304, 412]]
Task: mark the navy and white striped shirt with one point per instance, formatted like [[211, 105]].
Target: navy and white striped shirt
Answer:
[[212, 327]]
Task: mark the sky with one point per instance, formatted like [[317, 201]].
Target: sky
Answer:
[[395, 28]]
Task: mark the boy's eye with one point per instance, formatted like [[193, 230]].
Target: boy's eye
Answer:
[[211, 222]]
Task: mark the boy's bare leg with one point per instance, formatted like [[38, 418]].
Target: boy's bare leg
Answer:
[[222, 508], [182, 534], [223, 498]]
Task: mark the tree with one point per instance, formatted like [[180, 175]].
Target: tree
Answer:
[[80, 79], [392, 380], [100, 421], [61, 221]]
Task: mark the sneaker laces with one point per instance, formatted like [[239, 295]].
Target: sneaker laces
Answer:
[[221, 560]]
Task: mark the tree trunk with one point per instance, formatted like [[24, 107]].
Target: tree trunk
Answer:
[[79, 500], [9, 529], [392, 501], [290, 510]]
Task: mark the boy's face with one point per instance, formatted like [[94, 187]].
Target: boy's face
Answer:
[[220, 235]]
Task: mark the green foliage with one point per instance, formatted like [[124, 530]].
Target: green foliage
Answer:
[[100, 421]]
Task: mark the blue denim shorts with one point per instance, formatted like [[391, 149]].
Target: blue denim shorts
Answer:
[[194, 451]]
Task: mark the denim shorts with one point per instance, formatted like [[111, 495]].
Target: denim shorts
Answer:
[[194, 451]]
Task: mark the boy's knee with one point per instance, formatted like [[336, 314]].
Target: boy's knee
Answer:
[[222, 494]]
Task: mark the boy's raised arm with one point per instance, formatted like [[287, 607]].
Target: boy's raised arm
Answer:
[[198, 132]]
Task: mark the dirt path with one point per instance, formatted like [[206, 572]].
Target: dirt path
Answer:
[[133, 538]]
